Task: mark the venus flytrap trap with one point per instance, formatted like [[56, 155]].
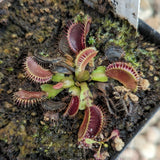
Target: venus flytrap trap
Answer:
[[124, 73], [83, 58], [35, 72], [73, 73], [91, 126], [73, 106], [27, 98]]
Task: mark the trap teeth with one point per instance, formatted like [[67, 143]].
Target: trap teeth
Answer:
[[92, 123], [84, 57], [124, 73], [73, 107], [75, 37], [35, 72], [26, 98]]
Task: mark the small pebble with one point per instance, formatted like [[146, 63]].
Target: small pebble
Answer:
[[139, 142], [56, 20], [14, 35], [148, 150], [21, 76], [153, 134], [158, 152], [16, 49], [9, 91], [156, 78], [151, 68], [144, 84], [1, 77], [42, 123], [33, 114], [7, 105]]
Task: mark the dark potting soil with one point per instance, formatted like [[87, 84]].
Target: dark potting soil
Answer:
[[29, 26]]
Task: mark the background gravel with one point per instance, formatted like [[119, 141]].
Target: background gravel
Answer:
[[150, 13], [146, 146]]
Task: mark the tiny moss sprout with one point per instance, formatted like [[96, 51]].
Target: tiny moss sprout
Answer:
[[91, 40]]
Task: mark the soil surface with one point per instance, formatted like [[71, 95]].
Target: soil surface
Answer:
[[28, 26]]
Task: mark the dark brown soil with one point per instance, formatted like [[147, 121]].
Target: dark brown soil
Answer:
[[28, 26]]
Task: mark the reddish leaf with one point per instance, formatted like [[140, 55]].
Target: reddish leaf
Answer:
[[73, 107], [35, 72], [24, 98], [124, 73], [92, 123], [58, 85], [84, 57], [75, 37]]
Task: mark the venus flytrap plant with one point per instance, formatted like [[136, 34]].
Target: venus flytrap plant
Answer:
[[74, 40]]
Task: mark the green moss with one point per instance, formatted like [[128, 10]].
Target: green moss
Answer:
[[91, 40], [43, 54], [13, 129], [132, 59], [10, 69], [1, 61], [78, 18]]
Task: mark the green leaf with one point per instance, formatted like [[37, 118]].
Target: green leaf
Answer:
[[50, 90], [99, 74], [82, 75], [105, 145], [58, 77], [90, 141], [75, 91], [86, 98], [68, 82]]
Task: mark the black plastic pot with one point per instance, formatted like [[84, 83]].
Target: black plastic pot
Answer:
[[149, 33]]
